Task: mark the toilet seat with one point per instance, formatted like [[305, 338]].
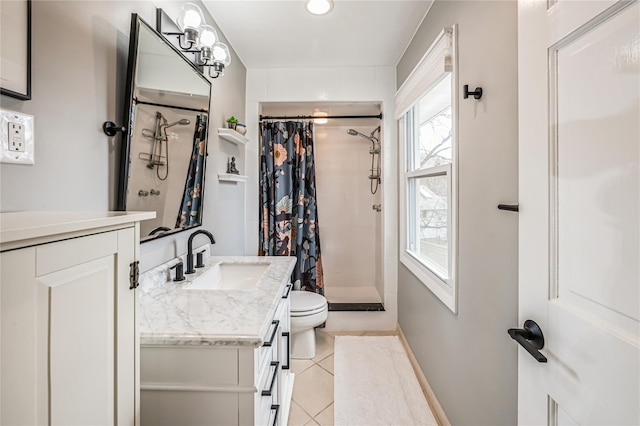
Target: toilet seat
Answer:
[[305, 303], [308, 313]]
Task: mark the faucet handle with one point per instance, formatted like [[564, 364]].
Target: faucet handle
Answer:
[[200, 259], [179, 271]]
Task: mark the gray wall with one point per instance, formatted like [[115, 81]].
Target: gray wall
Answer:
[[468, 358], [79, 63]]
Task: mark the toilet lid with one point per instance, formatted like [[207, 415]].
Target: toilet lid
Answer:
[[302, 301]]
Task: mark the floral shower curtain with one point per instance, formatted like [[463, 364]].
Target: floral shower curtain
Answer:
[[191, 206], [288, 213]]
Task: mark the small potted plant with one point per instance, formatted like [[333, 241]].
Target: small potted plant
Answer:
[[232, 122]]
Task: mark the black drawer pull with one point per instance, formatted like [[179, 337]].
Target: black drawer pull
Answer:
[[286, 295], [275, 418], [288, 336], [273, 335], [267, 392]]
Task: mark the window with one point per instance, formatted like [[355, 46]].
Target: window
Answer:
[[428, 184]]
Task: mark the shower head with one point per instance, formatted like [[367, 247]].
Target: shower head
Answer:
[[183, 122], [371, 138], [356, 133]]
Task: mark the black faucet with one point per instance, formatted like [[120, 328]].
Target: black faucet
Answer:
[[190, 268]]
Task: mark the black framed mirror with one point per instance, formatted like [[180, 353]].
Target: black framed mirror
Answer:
[[164, 150]]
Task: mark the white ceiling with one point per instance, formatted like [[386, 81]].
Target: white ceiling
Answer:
[[282, 34]]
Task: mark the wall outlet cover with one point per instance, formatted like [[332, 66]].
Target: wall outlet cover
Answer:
[[17, 130]]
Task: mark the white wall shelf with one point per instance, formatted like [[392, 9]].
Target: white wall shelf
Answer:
[[228, 177], [232, 136]]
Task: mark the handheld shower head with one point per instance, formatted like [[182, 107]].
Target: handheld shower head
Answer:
[[183, 122], [356, 133], [370, 138]]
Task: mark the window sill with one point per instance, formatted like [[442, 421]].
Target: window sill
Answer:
[[443, 290]]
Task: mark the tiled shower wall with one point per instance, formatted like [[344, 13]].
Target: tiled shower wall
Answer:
[[350, 229]]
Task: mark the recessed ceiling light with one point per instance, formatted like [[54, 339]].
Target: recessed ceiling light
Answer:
[[319, 7]]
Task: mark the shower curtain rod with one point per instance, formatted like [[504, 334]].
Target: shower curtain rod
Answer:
[[311, 117]]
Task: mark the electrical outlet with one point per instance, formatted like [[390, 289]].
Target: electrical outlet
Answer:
[[17, 131], [16, 137]]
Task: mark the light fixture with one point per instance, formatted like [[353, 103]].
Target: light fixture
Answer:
[[320, 120], [319, 7], [202, 40], [189, 22]]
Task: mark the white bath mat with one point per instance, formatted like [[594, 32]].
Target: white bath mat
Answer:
[[374, 384]]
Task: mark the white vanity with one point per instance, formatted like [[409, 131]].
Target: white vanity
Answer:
[[68, 335], [215, 348]]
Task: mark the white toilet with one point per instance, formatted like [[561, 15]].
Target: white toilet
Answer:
[[308, 310]]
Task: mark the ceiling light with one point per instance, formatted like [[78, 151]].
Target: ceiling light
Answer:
[[320, 120], [319, 7]]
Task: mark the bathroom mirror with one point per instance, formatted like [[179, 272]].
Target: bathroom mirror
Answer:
[[162, 161]]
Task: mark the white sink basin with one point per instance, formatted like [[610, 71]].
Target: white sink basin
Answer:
[[229, 276]]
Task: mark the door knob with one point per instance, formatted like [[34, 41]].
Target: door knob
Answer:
[[530, 337]]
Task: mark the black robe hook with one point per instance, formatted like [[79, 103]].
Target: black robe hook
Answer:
[[477, 94]]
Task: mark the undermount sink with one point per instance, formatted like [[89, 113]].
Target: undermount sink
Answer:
[[229, 276]]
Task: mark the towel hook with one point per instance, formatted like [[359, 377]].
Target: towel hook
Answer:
[[477, 94]]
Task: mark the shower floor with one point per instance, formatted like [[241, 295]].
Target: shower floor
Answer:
[[353, 299]]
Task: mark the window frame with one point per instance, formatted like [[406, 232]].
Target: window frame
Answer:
[[444, 288]]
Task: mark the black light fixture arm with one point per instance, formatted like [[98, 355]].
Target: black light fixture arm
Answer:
[[180, 36]]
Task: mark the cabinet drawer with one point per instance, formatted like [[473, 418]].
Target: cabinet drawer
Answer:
[[64, 254]]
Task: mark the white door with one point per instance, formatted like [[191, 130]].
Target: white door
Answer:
[[579, 88]]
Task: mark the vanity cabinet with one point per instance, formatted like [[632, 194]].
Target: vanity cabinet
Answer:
[[224, 384], [69, 344]]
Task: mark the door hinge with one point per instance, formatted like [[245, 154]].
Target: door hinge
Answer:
[[134, 274]]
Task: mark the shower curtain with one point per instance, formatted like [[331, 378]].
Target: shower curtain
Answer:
[[191, 206], [288, 213]]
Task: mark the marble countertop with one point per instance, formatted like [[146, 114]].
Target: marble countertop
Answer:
[[172, 315]]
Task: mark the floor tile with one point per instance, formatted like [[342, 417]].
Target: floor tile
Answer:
[[327, 363], [324, 345], [313, 390], [325, 418], [299, 365], [297, 416]]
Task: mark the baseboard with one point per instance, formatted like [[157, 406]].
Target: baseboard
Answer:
[[433, 402]]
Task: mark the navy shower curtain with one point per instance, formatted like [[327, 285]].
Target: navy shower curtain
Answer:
[[288, 213]]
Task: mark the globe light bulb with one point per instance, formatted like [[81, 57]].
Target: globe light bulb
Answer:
[[190, 18]]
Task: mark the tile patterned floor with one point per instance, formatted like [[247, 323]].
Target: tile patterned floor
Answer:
[[313, 387]]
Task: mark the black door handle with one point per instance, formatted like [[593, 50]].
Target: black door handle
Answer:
[[530, 337]]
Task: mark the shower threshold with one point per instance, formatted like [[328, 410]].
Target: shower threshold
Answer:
[[356, 306], [343, 298]]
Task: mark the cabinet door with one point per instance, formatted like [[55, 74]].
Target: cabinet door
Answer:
[[67, 348]]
